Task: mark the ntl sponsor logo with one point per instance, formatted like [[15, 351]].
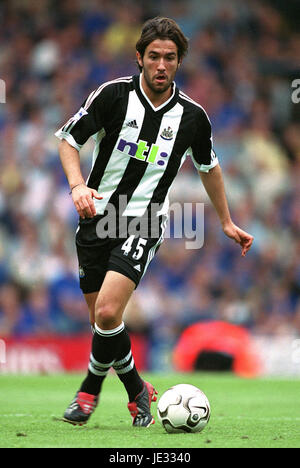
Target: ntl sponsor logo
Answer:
[[141, 151]]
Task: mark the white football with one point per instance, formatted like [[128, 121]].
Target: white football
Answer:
[[183, 408]]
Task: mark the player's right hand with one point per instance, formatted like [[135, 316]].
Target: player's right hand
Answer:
[[83, 200]]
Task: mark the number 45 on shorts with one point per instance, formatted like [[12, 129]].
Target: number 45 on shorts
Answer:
[[139, 249]]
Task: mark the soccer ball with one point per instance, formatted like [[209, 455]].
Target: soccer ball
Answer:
[[183, 408]]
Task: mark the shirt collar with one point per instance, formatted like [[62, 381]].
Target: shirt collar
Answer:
[[148, 100]]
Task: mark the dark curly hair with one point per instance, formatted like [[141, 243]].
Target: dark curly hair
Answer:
[[162, 28]]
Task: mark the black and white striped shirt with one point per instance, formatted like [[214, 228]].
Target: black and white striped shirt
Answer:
[[139, 148]]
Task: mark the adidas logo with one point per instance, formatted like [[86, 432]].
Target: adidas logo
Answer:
[[137, 267], [132, 124]]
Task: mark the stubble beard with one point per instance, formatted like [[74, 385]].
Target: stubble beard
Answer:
[[156, 89]]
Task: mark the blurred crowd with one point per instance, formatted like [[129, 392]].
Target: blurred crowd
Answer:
[[243, 58]]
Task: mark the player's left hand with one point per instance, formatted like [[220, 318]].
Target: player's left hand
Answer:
[[239, 236], [83, 200]]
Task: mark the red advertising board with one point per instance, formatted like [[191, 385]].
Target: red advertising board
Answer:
[[54, 354]]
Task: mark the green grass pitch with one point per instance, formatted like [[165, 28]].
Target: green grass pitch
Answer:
[[258, 413]]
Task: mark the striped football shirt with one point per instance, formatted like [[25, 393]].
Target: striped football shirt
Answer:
[[139, 148]]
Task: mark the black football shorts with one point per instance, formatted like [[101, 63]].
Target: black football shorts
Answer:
[[129, 255]]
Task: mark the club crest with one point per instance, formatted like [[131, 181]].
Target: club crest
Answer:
[[167, 134]]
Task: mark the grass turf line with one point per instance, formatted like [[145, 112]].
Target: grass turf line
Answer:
[[254, 413]]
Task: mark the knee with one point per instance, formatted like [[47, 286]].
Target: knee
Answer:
[[106, 316]]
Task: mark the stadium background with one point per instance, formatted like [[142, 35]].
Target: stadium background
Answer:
[[244, 56]]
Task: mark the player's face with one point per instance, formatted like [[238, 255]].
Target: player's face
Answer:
[[160, 64]]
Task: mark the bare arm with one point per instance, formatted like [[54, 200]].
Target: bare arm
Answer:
[[81, 194], [214, 186]]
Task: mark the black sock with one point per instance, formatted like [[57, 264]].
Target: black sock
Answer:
[[125, 367], [104, 349]]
